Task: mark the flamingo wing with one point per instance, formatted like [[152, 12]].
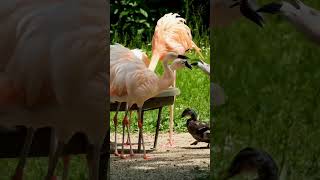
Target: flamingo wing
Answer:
[[122, 62]]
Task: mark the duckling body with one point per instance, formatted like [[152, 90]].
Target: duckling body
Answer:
[[200, 131]]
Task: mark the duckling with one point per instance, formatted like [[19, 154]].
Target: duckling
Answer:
[[253, 160], [199, 131]]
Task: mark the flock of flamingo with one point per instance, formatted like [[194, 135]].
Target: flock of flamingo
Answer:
[[132, 76]]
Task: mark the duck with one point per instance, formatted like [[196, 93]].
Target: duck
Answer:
[[250, 160], [199, 131]]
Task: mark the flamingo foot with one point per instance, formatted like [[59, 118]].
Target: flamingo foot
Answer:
[[146, 157], [132, 154], [169, 144], [122, 156], [18, 175], [116, 153], [127, 143]]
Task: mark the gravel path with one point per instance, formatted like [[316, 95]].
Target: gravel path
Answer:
[[181, 162]]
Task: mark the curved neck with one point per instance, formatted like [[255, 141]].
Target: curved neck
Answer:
[[154, 61], [167, 78]]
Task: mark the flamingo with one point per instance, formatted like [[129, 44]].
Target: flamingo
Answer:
[[171, 35], [50, 73], [132, 82]]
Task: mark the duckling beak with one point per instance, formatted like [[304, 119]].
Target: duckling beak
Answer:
[[247, 11]]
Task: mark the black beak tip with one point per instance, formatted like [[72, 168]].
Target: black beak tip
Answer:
[[182, 57], [248, 12], [194, 64], [271, 8], [188, 65]]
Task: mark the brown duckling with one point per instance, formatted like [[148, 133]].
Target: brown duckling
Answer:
[[199, 131]]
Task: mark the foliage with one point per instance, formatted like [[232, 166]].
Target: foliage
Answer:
[[137, 18], [129, 17]]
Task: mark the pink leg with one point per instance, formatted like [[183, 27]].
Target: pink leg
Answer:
[[128, 140], [140, 125], [66, 163], [115, 120], [124, 122]]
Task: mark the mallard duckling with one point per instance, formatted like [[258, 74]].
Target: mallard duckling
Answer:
[[253, 160], [199, 131]]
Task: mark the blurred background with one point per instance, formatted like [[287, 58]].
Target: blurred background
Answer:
[[271, 76]]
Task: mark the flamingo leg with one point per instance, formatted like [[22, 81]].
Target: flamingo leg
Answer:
[[23, 156], [124, 122], [56, 149], [115, 121], [140, 125], [66, 163], [171, 142], [127, 143], [93, 160], [129, 139]]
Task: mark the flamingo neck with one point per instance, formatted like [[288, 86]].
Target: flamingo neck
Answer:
[[167, 78], [154, 61]]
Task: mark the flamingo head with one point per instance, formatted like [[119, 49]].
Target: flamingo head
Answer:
[[179, 61]]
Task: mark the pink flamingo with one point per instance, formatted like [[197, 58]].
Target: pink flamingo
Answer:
[[171, 35], [132, 82]]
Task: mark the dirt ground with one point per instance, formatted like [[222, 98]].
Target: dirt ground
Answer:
[[184, 161]]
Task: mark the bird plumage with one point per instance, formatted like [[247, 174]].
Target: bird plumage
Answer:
[[199, 130], [171, 35], [133, 83]]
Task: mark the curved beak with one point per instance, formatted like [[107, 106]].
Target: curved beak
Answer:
[[271, 8], [187, 64], [247, 10], [182, 57]]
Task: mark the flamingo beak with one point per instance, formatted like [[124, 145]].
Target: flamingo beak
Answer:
[[182, 57], [271, 8], [187, 64], [247, 11]]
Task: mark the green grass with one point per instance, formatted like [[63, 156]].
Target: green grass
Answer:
[[271, 77]]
